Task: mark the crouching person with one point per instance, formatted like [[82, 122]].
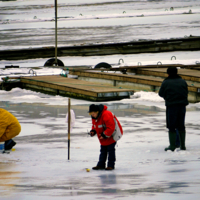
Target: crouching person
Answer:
[[9, 128], [108, 130]]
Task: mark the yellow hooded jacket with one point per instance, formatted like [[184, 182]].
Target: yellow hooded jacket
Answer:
[[9, 125]]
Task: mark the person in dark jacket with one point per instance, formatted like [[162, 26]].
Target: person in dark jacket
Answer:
[[174, 90], [103, 125]]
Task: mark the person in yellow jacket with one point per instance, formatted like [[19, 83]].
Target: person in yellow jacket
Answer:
[[9, 128]]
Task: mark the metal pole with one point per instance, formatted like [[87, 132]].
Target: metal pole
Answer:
[[69, 120], [56, 32]]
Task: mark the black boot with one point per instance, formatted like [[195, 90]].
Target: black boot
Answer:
[[9, 144], [98, 168], [182, 139], [172, 141], [177, 144]]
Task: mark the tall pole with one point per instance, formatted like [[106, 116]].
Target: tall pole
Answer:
[[69, 120], [56, 32]]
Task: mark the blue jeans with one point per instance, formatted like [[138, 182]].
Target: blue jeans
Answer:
[[109, 151], [176, 117]]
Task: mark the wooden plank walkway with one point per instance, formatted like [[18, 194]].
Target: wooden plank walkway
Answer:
[[145, 46], [95, 85], [75, 88], [148, 82], [187, 74]]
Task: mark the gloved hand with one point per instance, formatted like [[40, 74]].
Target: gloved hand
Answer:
[[92, 132], [103, 136]]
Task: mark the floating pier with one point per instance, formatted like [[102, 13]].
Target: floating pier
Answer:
[[64, 86], [133, 47], [108, 84], [145, 79]]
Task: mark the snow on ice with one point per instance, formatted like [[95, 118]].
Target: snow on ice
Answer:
[[39, 168]]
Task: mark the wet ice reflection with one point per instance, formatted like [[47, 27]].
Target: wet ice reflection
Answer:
[[143, 168]]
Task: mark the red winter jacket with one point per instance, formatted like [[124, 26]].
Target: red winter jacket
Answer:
[[105, 123]]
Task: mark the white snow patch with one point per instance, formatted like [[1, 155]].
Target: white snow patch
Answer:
[[147, 96]]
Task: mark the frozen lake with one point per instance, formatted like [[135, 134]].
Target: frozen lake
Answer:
[[39, 168], [28, 23]]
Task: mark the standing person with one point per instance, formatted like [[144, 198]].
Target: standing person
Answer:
[[174, 90], [9, 128], [104, 124]]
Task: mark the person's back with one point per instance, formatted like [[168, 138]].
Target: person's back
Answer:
[[175, 92]]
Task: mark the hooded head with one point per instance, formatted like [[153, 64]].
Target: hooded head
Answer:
[[94, 111], [93, 108], [172, 71]]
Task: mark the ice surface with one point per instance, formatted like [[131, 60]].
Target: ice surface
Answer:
[[28, 24], [39, 167]]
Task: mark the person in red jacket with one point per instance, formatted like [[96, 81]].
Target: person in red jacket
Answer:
[[103, 125]]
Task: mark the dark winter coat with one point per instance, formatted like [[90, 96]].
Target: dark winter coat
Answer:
[[174, 90], [104, 123]]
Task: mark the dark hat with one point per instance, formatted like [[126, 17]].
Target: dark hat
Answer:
[[172, 70], [93, 108]]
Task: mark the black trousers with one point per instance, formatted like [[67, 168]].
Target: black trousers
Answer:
[[107, 151], [175, 116]]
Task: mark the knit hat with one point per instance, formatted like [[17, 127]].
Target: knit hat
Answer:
[[93, 108], [172, 71]]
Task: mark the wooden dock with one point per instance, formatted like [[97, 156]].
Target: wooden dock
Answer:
[[187, 74], [145, 79], [109, 84], [64, 86], [133, 47]]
